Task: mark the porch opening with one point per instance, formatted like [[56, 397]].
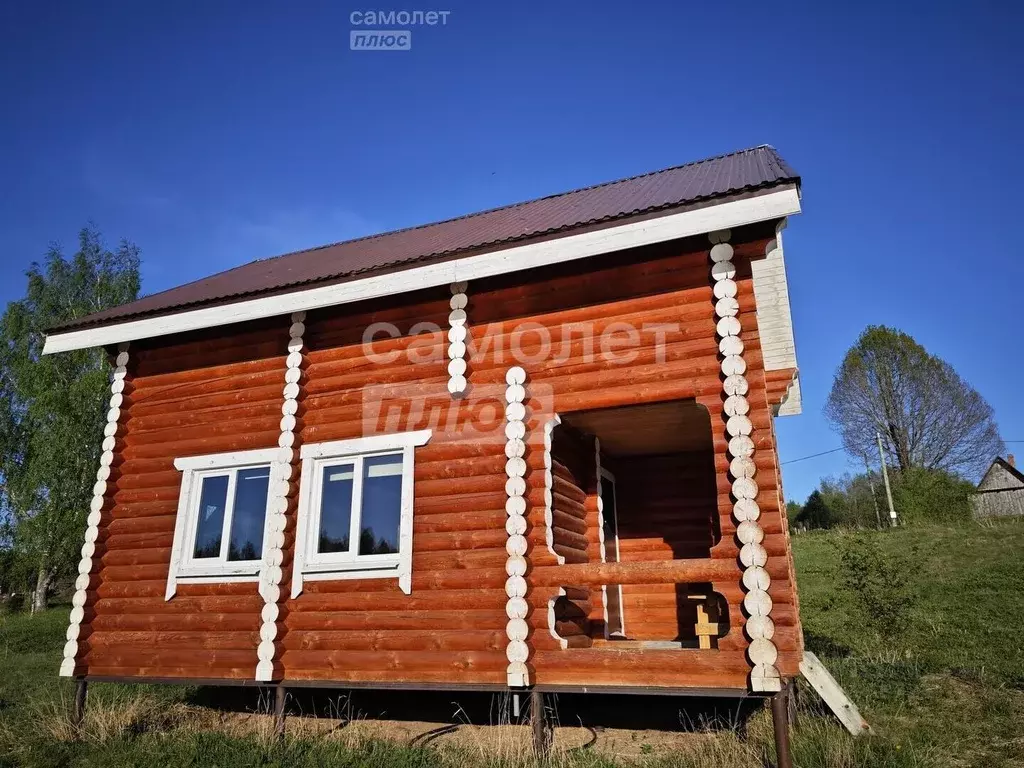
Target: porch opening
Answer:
[[636, 484]]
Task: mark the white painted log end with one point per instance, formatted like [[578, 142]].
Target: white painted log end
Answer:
[[265, 671], [516, 545], [517, 651], [764, 679], [515, 586], [517, 608], [515, 505], [757, 603], [728, 326], [723, 270], [749, 532], [515, 486], [753, 554], [744, 488], [515, 375], [727, 308], [735, 384], [518, 675]]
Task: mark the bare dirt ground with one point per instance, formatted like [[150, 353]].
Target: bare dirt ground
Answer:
[[626, 726]]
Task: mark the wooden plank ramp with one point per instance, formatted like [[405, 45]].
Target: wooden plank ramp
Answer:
[[832, 694]]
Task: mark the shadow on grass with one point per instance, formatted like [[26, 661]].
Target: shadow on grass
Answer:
[[822, 645], [669, 713]]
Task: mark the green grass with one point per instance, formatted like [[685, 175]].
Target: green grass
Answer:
[[953, 681], [946, 691]]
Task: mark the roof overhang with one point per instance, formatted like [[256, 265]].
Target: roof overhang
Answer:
[[773, 204]]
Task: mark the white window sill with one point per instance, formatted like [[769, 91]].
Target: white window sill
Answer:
[[217, 578], [348, 571]]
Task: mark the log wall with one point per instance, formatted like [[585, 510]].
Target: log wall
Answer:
[[203, 393], [668, 508], [221, 391], [573, 482]]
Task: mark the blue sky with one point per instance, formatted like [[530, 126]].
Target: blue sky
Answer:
[[212, 134]]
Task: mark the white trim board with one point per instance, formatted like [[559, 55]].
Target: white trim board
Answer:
[[775, 204], [369, 444], [227, 460], [775, 317]]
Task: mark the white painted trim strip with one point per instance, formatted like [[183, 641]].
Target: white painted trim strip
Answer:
[[553, 620], [281, 472], [458, 340], [516, 608], [599, 476], [549, 488], [99, 494], [734, 213], [762, 653]]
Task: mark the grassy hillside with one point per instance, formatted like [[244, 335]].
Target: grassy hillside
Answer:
[[950, 686], [942, 683]]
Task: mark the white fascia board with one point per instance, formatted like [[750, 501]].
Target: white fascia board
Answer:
[[774, 204]]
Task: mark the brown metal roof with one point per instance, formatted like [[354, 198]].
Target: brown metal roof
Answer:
[[744, 171]]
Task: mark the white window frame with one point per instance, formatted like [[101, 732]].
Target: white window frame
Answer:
[[311, 565], [608, 476], [186, 569]]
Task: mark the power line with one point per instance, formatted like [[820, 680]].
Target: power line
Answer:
[[825, 453], [814, 456]]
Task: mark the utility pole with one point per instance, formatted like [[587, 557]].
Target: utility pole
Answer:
[[871, 485], [885, 477]]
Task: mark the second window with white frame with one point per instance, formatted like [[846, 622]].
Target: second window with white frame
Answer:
[[355, 509]]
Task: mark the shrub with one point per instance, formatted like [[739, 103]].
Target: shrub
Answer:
[[931, 495], [877, 585]]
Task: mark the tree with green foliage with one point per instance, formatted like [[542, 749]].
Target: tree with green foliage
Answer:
[[52, 407], [927, 415], [816, 513], [921, 496]]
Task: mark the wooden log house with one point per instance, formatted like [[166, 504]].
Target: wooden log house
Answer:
[[525, 449]]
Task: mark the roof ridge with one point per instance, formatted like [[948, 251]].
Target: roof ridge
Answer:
[[1011, 468], [507, 206]]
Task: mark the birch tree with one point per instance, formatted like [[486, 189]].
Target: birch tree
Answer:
[[52, 407]]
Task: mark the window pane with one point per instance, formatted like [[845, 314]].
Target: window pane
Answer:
[[212, 499], [336, 508], [246, 541], [382, 505]]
